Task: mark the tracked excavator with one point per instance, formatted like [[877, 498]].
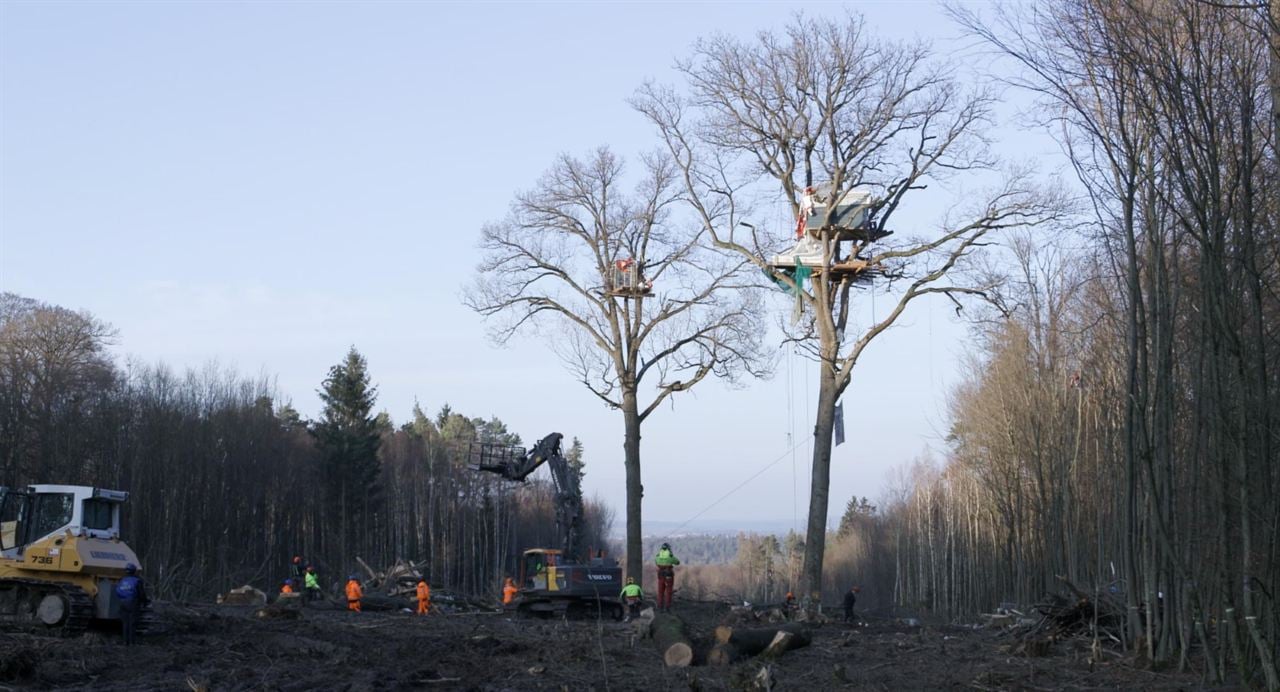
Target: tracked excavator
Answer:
[[60, 557], [564, 581]]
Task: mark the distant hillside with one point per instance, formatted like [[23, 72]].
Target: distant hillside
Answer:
[[725, 527], [712, 542]]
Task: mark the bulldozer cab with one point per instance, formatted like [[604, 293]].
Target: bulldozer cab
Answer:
[[39, 511]]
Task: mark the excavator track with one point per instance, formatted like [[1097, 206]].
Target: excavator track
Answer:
[[42, 607]]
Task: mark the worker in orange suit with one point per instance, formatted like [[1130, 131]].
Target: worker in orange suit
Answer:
[[424, 597], [288, 586], [509, 591], [354, 594]]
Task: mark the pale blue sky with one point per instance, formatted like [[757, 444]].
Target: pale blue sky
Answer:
[[265, 184]]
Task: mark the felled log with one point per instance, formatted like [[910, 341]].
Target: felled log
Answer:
[[243, 596], [668, 633], [783, 642], [736, 643], [278, 611], [753, 640], [376, 602], [723, 654], [373, 576]]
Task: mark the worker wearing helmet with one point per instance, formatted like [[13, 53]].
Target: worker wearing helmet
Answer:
[[631, 596], [311, 582], [131, 594], [509, 591], [851, 599], [287, 587], [424, 597], [667, 562], [354, 594], [296, 570]]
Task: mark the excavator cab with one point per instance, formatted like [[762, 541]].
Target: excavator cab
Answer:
[[60, 556], [538, 570]]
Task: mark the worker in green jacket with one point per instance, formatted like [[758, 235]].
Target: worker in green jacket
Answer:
[[631, 596], [667, 562], [312, 591]]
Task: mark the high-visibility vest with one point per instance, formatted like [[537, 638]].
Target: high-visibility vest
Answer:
[[354, 592], [424, 592]]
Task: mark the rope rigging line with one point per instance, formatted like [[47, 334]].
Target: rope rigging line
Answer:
[[791, 430], [735, 489]]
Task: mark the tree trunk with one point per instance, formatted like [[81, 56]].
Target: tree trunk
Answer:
[[635, 490], [668, 634], [815, 540], [1273, 41]]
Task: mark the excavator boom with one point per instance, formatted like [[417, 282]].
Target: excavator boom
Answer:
[[515, 464]]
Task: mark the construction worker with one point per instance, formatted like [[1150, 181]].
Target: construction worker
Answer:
[[132, 596], [667, 562], [312, 591], [509, 591], [295, 569], [287, 588], [851, 599], [790, 601], [631, 597], [354, 594], [424, 597]]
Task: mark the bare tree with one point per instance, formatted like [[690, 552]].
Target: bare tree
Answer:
[[622, 290], [825, 104]]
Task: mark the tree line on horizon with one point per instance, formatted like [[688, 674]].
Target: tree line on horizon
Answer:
[[226, 485]]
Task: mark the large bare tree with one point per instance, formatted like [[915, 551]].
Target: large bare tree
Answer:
[[823, 103], [623, 289]]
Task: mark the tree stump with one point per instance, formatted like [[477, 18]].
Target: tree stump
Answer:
[[668, 634]]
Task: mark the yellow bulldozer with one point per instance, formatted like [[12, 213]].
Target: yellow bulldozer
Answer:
[[60, 557]]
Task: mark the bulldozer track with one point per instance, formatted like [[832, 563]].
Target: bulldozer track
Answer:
[[20, 597]]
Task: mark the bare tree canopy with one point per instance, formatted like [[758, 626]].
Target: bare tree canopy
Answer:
[[620, 285], [825, 105]]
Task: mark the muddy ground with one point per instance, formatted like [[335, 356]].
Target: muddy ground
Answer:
[[223, 648]]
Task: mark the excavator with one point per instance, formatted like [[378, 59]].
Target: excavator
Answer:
[[60, 557], [564, 581]]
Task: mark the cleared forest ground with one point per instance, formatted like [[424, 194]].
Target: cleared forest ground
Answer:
[[221, 648]]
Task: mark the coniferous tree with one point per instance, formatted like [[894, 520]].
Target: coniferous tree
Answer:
[[348, 436], [576, 463]]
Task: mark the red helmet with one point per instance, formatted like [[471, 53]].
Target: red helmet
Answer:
[[297, 560]]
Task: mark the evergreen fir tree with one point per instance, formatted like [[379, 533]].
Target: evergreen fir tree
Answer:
[[348, 437]]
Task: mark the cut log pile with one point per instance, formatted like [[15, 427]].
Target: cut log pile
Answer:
[[396, 587], [1063, 615], [1070, 614], [400, 579]]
